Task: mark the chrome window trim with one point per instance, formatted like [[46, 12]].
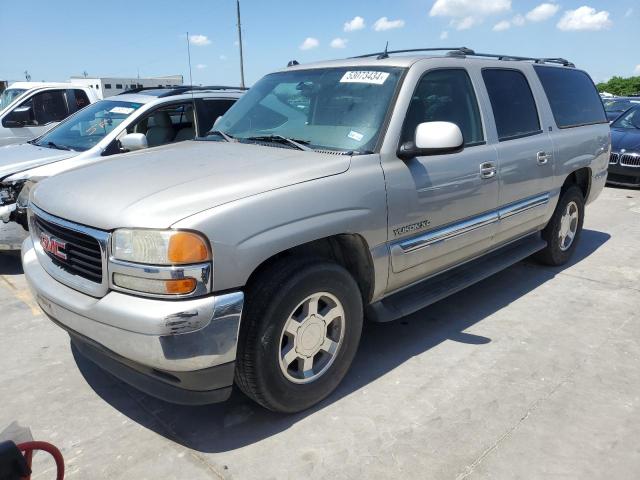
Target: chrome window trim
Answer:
[[73, 281], [201, 272], [466, 226]]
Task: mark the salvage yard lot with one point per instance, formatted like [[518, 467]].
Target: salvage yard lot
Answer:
[[532, 373]]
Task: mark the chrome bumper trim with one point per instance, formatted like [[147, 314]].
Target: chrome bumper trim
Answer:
[[178, 335]]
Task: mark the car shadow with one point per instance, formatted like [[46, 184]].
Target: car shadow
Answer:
[[240, 422], [10, 263]]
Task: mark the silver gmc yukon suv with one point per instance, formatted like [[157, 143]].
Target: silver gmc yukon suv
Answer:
[[369, 187]]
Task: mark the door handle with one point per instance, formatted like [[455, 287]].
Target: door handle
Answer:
[[488, 170], [543, 158]]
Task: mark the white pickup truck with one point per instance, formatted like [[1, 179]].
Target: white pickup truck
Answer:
[[29, 109]]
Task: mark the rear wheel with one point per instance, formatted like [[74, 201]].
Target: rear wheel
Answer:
[[563, 230], [299, 334]]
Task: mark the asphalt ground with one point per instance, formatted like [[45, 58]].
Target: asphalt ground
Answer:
[[533, 373]]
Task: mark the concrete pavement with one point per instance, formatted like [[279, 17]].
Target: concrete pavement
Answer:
[[530, 374]]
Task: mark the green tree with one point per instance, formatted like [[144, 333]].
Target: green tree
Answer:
[[621, 86]]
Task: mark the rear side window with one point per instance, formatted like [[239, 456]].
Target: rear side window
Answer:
[[514, 107], [572, 95], [81, 99], [208, 110]]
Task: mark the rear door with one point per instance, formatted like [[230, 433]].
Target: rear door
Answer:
[[525, 152]]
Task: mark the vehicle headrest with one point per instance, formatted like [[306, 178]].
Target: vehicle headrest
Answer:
[[162, 119]]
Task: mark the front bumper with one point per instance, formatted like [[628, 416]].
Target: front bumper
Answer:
[[624, 175], [137, 335], [6, 211]]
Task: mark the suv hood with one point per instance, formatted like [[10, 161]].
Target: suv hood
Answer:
[[17, 158], [158, 187], [624, 138]]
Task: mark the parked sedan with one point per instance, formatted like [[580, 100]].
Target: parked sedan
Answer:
[[618, 105], [624, 164], [130, 121]]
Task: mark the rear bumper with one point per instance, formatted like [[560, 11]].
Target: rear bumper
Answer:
[[132, 336]]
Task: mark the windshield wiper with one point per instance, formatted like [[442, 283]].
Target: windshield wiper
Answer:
[[226, 136], [300, 144], [54, 145]]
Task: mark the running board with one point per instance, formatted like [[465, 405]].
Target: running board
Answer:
[[436, 288]]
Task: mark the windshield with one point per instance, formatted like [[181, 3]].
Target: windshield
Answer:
[[616, 105], [331, 108], [628, 120], [9, 95], [86, 128]]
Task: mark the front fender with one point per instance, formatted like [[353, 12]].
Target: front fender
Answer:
[[247, 232]]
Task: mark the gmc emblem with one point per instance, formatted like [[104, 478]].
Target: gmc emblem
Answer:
[[53, 246]]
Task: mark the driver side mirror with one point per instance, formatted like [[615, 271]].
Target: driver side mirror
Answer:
[[433, 138], [134, 141], [18, 118]]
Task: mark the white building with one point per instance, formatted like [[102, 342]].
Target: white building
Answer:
[[108, 86]]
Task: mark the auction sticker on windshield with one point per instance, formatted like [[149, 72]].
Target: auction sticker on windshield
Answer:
[[122, 110], [376, 78]]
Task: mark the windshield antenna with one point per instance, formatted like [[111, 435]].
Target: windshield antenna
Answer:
[[384, 54], [193, 100]]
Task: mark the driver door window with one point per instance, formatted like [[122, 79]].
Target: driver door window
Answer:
[[48, 107], [445, 96]]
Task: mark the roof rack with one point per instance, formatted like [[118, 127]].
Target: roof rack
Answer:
[[180, 89], [467, 52]]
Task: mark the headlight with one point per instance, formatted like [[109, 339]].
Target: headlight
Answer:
[[160, 262], [159, 247]]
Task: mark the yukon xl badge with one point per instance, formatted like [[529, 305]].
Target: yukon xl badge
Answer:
[[411, 228]]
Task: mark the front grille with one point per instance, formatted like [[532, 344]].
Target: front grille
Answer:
[[83, 253], [630, 160], [613, 159]]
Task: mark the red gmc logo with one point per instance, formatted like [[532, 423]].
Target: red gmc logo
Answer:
[[53, 246]]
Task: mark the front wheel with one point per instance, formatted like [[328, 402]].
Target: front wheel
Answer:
[[300, 333], [563, 230]]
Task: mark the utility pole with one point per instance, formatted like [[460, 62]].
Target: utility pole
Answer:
[[240, 44]]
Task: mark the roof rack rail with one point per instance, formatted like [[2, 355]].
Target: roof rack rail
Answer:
[[386, 53], [467, 52], [180, 89]]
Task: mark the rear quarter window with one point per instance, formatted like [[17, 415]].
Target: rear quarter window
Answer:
[[572, 95]]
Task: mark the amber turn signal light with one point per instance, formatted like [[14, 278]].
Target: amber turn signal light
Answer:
[[187, 247]]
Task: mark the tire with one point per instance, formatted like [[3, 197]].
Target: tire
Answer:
[[282, 297], [558, 250]]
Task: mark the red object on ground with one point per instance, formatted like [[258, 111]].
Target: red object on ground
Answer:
[[29, 447]]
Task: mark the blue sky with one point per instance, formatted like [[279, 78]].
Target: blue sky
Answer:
[[54, 40]]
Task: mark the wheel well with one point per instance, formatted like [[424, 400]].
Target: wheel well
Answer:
[[348, 250], [581, 178]]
